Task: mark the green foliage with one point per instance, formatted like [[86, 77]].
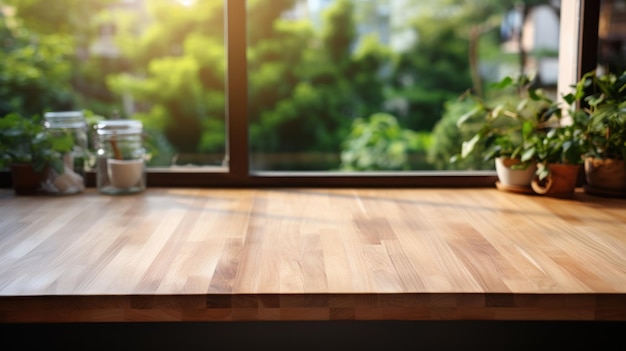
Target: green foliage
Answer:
[[605, 99], [308, 81], [448, 138], [263, 19], [58, 16], [44, 66], [339, 32], [563, 143], [559, 144], [178, 69], [35, 70], [378, 143], [511, 122], [431, 72], [25, 140], [307, 85]]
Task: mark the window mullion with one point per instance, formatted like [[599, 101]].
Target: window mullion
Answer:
[[237, 88]]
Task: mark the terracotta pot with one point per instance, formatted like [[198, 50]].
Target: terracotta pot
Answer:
[[25, 180], [605, 174], [561, 182], [514, 177]]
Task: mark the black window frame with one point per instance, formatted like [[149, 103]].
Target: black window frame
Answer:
[[238, 172]]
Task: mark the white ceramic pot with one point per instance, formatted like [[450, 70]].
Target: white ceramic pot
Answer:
[[514, 177], [125, 173]]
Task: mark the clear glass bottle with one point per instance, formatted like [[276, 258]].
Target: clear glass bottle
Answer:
[[69, 133], [121, 157]]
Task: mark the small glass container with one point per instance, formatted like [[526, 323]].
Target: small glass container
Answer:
[[121, 157], [68, 130]]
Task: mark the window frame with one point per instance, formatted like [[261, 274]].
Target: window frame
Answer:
[[238, 172]]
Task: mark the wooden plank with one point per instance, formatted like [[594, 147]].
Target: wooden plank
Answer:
[[311, 254]]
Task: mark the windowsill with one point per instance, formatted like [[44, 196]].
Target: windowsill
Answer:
[[220, 177]]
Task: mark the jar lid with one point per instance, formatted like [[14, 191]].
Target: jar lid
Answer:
[[119, 126], [64, 119]]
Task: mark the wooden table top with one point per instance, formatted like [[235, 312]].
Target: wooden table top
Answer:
[[311, 254]]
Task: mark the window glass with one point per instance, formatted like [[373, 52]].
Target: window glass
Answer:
[[612, 36], [158, 61], [374, 85], [332, 85]]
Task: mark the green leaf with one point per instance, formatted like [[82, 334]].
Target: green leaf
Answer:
[[469, 146], [528, 154], [527, 129], [569, 98], [543, 172], [467, 116], [538, 95], [505, 82]]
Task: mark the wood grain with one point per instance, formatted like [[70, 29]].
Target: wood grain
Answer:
[[311, 254]]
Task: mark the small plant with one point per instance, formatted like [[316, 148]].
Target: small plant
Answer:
[[512, 121], [561, 144], [605, 99], [600, 101], [24, 140]]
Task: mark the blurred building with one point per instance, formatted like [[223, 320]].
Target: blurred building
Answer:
[[612, 36]]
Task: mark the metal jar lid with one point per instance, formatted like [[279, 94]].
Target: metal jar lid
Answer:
[[64, 119], [119, 127]]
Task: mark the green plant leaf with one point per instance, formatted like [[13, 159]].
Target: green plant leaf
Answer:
[[528, 154], [467, 116], [503, 83], [469, 146], [542, 172]]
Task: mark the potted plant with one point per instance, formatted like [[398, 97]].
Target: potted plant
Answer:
[[30, 153], [604, 100], [559, 159], [509, 130]]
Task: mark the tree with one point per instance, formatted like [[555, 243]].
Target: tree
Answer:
[[46, 55], [35, 70], [434, 71], [477, 24], [176, 72], [58, 16], [309, 84]]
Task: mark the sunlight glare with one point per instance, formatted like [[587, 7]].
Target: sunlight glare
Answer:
[[186, 3]]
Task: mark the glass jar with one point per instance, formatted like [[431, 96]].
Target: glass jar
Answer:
[[68, 130], [120, 159]]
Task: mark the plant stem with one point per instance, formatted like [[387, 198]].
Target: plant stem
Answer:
[[116, 151]]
